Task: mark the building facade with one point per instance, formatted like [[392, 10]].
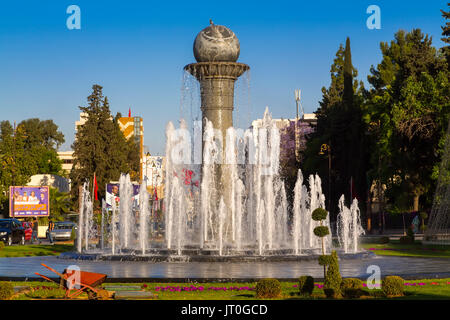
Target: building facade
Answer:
[[133, 128]]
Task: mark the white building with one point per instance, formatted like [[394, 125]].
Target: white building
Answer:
[[51, 180], [67, 160]]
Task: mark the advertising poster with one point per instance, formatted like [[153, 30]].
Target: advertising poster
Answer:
[[28, 201], [113, 194]]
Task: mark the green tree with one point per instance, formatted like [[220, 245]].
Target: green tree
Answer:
[[16, 165], [42, 139], [446, 34], [100, 147], [407, 112], [341, 129], [59, 204]]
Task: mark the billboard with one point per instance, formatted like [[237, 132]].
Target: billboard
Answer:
[[113, 194], [28, 201]]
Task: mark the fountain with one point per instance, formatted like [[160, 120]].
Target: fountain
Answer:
[[349, 226], [238, 209]]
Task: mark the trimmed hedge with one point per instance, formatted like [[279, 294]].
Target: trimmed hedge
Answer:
[[321, 231], [325, 259], [333, 279], [2, 245], [319, 214], [351, 288], [268, 288], [392, 286], [6, 290], [306, 285]]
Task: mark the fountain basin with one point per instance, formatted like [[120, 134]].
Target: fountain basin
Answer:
[[196, 255]]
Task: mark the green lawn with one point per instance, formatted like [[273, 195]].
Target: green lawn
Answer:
[[32, 250], [394, 248], [425, 289]]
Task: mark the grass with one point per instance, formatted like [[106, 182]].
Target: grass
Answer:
[[424, 289], [394, 248], [33, 250]]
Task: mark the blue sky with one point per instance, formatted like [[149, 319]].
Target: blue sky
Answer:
[[137, 49]]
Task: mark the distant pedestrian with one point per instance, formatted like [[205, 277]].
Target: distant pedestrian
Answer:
[[35, 231], [415, 224], [51, 226]]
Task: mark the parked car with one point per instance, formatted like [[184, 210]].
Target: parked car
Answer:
[[62, 230], [11, 231], [28, 230]]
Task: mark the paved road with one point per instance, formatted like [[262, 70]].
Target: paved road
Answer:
[[407, 267]]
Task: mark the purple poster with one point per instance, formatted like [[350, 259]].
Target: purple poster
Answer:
[[28, 201], [112, 194]]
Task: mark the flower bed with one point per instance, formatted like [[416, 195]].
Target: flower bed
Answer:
[[201, 288]]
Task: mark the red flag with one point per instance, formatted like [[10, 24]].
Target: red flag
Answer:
[[156, 194], [95, 187], [129, 112]]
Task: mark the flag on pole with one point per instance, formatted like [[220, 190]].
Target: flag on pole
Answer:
[[129, 112], [95, 187], [156, 194]]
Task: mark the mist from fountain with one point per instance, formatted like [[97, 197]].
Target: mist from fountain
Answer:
[[349, 226], [249, 216]]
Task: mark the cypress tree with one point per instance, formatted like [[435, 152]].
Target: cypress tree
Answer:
[[100, 147], [348, 77], [339, 125]]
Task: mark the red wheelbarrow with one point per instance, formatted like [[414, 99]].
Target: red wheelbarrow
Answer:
[[77, 284]]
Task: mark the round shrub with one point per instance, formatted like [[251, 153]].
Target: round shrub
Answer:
[[351, 288], [268, 288], [423, 215], [321, 231], [325, 260], [392, 286], [333, 279], [6, 290], [319, 214], [306, 285]]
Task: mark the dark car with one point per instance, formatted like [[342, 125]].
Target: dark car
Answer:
[[11, 231]]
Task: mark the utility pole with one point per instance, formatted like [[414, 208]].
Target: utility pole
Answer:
[[327, 147], [297, 127]]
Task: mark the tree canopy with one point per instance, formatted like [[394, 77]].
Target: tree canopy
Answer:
[[100, 147], [407, 112]]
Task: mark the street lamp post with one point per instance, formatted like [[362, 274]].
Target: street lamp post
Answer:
[[297, 134]]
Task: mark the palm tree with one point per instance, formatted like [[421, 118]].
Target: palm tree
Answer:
[[59, 204]]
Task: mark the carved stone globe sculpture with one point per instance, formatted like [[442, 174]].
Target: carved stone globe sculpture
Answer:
[[216, 43], [216, 49]]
